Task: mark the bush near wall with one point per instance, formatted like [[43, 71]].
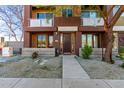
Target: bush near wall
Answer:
[[121, 51], [86, 51]]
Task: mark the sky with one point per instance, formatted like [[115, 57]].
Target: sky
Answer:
[[3, 28]]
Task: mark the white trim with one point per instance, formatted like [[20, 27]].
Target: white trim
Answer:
[[118, 28], [68, 28]]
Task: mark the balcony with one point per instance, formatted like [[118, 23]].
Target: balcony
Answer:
[[92, 21], [67, 21], [41, 23]]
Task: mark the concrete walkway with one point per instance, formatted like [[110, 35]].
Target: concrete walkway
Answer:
[[74, 76], [72, 69]]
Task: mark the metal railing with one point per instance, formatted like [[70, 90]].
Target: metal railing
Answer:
[[92, 21], [41, 23]]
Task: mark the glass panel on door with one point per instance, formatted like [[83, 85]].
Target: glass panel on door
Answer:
[[41, 41]]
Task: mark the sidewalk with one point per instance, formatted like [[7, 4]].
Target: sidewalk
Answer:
[[59, 83]]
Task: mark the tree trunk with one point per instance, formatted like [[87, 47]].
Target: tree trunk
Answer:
[[108, 51]]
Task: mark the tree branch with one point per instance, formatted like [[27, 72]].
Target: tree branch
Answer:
[[116, 16], [110, 10], [12, 16], [101, 12]]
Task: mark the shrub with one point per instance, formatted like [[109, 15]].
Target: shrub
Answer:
[[112, 62], [122, 65], [121, 50], [86, 51], [34, 55]]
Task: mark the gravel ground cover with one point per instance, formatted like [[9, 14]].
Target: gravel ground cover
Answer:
[[26, 67], [98, 69]]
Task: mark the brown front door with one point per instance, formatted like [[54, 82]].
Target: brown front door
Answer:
[[67, 43]]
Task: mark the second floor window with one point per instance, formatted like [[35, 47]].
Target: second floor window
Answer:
[[115, 9], [67, 12], [44, 15], [89, 14]]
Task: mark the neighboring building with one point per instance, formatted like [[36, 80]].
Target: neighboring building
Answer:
[[118, 30], [66, 28], [16, 45], [2, 42]]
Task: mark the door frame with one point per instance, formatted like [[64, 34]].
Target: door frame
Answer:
[[62, 42], [69, 46]]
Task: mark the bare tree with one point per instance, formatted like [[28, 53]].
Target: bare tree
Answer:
[[12, 19]]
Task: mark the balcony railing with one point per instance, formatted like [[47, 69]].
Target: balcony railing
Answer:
[[92, 21], [41, 23]]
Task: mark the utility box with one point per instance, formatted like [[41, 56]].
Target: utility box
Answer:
[[7, 51]]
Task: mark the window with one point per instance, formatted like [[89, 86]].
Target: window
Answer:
[[85, 14], [67, 12], [50, 40], [89, 14], [95, 37], [45, 40], [90, 39], [41, 41], [44, 15], [115, 9], [83, 40]]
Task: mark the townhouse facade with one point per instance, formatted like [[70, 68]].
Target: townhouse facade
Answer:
[[64, 27]]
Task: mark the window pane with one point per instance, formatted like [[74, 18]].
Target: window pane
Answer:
[[41, 15], [85, 14], [67, 12], [89, 14], [50, 41], [115, 9], [83, 40], [64, 12], [93, 14], [49, 15], [41, 40], [95, 41], [89, 40], [44, 15]]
